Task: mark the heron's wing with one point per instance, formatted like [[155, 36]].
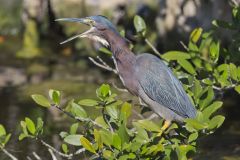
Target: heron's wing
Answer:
[[159, 83]]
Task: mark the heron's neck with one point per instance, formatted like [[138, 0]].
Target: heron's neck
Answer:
[[120, 49]]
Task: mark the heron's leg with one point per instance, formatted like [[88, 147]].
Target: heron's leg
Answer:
[[166, 124]]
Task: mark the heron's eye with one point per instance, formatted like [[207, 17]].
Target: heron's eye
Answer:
[[92, 22]]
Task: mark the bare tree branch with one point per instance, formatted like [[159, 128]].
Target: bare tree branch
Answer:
[[102, 65], [52, 154], [36, 156], [8, 154], [152, 47], [119, 89]]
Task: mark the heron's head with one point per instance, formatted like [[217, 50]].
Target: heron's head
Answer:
[[99, 26]]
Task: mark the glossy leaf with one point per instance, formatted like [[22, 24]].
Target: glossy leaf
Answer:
[[65, 148], [211, 109], [192, 123], [87, 145], [187, 66], [2, 130], [78, 111], [107, 137], [149, 125], [214, 50], [139, 25], [98, 139], [233, 71], [41, 100], [73, 128], [73, 139], [195, 35], [88, 102], [237, 88], [175, 55], [216, 122], [117, 141], [30, 125], [192, 137], [55, 95], [126, 109]]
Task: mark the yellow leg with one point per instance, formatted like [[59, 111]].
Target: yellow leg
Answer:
[[166, 124], [164, 127]]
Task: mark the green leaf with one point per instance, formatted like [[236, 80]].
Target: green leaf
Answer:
[[22, 136], [73, 139], [98, 139], [63, 134], [126, 109], [139, 25], [87, 145], [105, 50], [106, 137], [194, 124], [88, 102], [78, 111], [149, 125], [141, 135], [182, 151], [214, 50], [2, 130], [195, 35], [39, 128], [175, 55], [41, 100], [211, 109], [73, 128], [223, 24], [30, 125], [55, 96], [103, 91], [7, 139], [216, 122], [237, 88], [100, 120], [233, 71], [112, 111], [116, 141], [187, 66], [107, 154], [192, 137], [208, 99], [65, 148]]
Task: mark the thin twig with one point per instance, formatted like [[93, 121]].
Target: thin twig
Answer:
[[106, 67], [153, 48], [36, 156], [119, 89], [225, 88], [52, 154], [77, 118], [55, 150], [8, 154], [184, 46], [28, 158]]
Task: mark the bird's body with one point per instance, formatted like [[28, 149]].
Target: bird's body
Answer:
[[144, 75]]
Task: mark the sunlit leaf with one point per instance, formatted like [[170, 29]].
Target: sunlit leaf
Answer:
[[73, 128], [87, 145], [187, 66], [237, 88], [65, 148], [175, 55], [55, 95], [214, 50], [192, 123], [88, 102], [211, 109], [78, 111], [98, 139], [149, 125], [105, 50], [107, 137], [2, 130], [195, 35], [30, 125], [41, 100], [139, 24], [116, 141], [192, 137], [216, 122], [107, 154], [233, 71], [126, 109], [73, 139]]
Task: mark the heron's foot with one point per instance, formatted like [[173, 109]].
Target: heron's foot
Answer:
[[165, 126]]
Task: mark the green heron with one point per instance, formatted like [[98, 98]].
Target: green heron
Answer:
[[144, 75]]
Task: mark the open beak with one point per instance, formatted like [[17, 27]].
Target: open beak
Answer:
[[85, 21]]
